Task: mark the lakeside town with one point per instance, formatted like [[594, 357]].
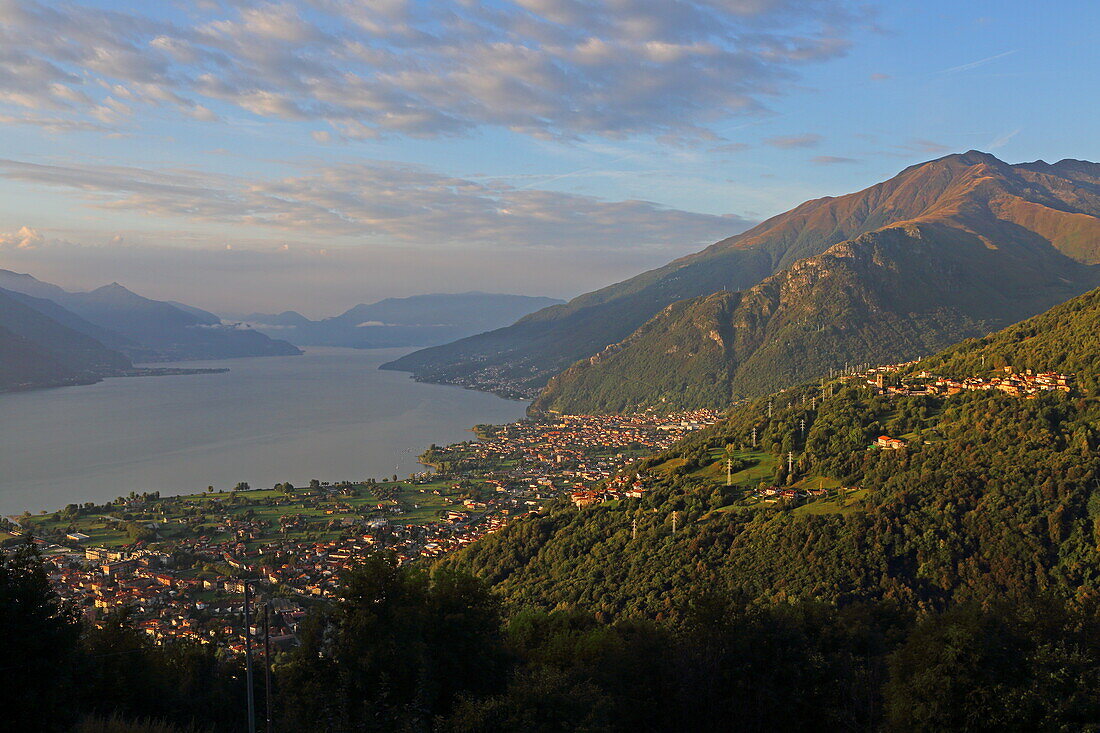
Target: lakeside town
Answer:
[[177, 566]]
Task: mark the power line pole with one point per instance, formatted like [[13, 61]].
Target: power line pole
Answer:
[[267, 661], [248, 655], [675, 515], [754, 437], [790, 463], [729, 471], [802, 428], [769, 409]]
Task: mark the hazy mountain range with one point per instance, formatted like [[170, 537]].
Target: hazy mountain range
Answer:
[[419, 320], [49, 336], [955, 247]]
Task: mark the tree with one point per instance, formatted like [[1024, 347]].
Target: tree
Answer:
[[400, 646], [40, 634]]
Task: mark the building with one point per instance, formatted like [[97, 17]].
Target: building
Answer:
[[887, 443]]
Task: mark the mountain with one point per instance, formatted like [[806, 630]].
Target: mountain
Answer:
[[37, 350], [414, 321], [145, 329], [993, 496], [886, 296], [292, 319], [1030, 214]]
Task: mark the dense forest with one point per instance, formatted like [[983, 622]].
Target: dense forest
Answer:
[[409, 650]]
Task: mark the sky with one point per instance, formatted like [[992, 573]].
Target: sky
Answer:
[[313, 154]]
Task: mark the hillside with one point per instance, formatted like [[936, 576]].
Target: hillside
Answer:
[[418, 320], [146, 329], [891, 295], [37, 350], [1030, 205], [993, 496]]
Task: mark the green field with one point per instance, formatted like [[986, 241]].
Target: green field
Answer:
[[194, 515], [846, 502]]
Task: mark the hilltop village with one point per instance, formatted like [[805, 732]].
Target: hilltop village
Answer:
[[178, 565], [1026, 383]]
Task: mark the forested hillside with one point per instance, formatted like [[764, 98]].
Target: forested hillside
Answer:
[[993, 496]]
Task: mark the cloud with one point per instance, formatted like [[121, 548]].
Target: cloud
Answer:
[[25, 238], [381, 202], [559, 69], [1001, 140], [787, 142], [833, 160]]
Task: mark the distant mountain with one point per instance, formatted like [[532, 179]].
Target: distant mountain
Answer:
[[145, 329], [37, 350], [206, 316], [970, 220], [284, 319], [418, 320]]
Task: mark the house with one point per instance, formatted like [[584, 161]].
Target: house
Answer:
[[584, 498], [77, 537], [887, 443]]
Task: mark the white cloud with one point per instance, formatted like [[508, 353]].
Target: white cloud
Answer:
[[25, 238], [382, 202], [548, 68]]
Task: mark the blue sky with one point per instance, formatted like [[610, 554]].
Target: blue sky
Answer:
[[314, 154]]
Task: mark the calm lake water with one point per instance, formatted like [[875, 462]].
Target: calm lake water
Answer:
[[330, 414]]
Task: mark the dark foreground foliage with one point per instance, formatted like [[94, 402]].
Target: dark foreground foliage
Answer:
[[410, 651]]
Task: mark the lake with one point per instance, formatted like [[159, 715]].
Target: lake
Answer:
[[329, 414]]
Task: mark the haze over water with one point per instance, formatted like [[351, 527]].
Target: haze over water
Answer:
[[329, 414]]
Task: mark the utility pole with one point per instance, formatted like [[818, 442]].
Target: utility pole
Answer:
[[802, 428], [790, 463], [769, 409], [754, 437], [248, 655], [267, 661], [729, 471], [813, 402]]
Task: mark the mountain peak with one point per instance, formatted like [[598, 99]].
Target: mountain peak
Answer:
[[114, 290]]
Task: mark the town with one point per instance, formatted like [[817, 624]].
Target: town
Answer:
[[178, 565]]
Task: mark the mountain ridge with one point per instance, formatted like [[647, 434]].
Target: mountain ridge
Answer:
[[146, 329], [1063, 197], [38, 350], [417, 320]]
